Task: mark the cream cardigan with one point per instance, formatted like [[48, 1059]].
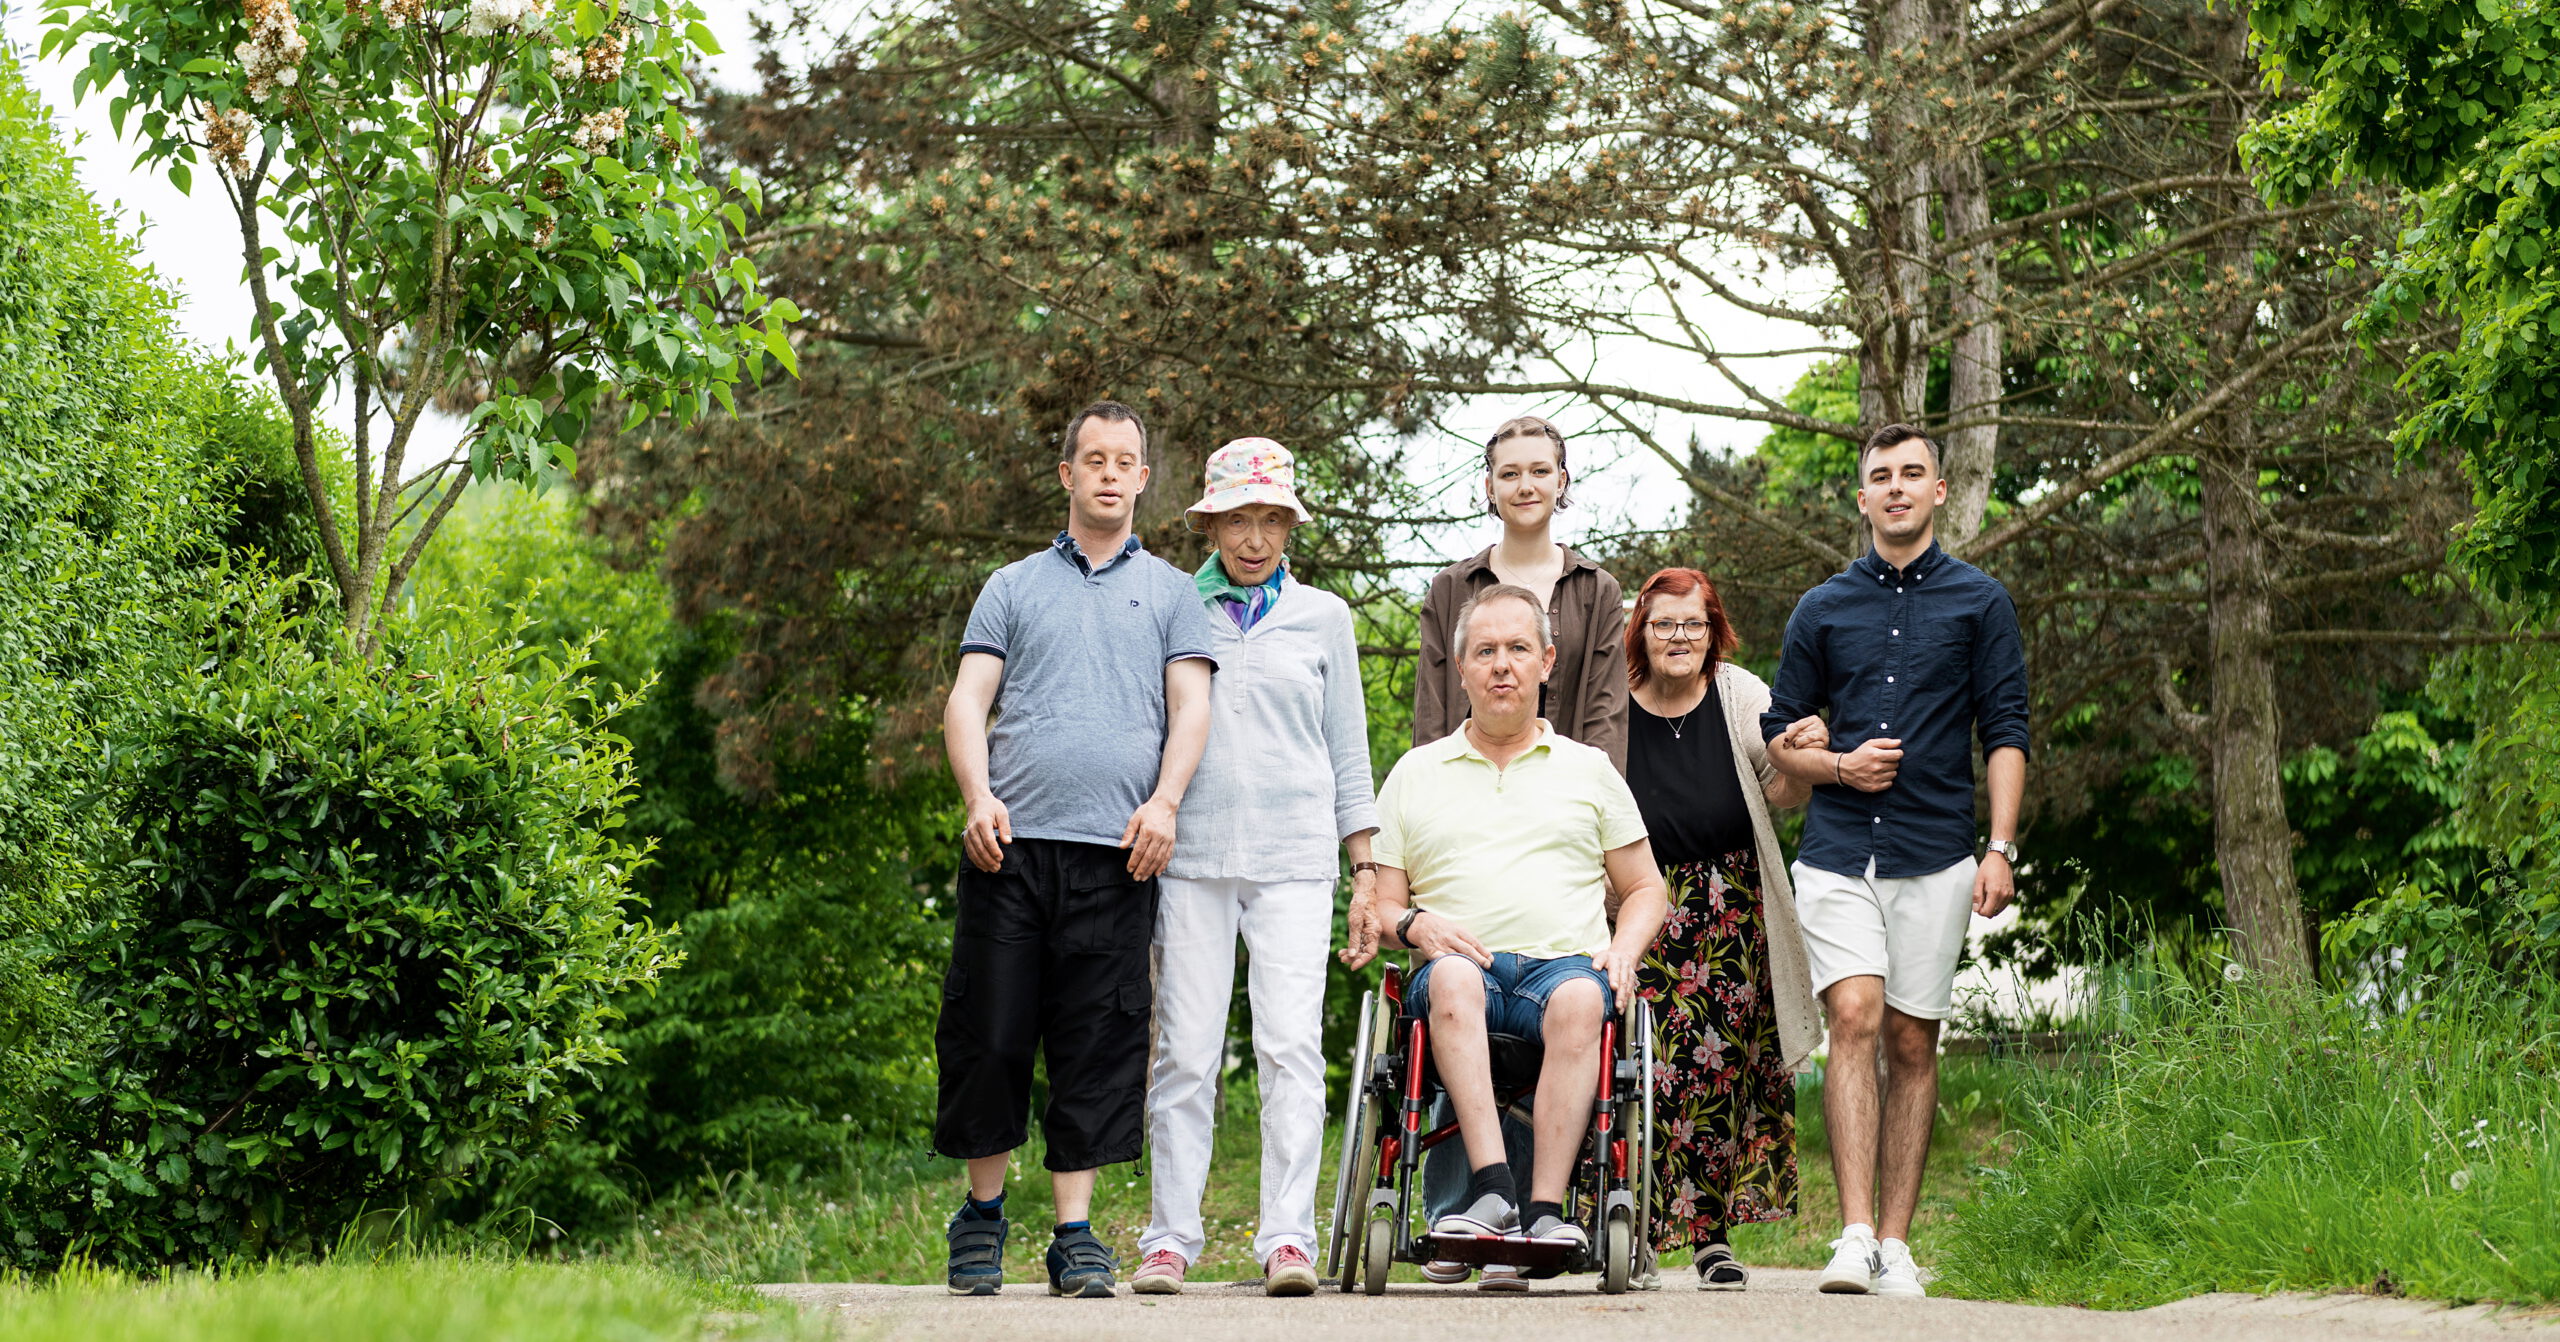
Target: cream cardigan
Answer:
[[1745, 696]]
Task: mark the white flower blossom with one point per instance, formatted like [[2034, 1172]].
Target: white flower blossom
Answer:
[[567, 63], [2232, 972], [228, 135], [2458, 1180], [275, 47], [598, 130], [489, 18]]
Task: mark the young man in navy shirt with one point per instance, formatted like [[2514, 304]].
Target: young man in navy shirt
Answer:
[[1913, 653]]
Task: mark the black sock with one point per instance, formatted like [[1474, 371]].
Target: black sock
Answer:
[[1064, 1226], [1713, 1235], [1529, 1215], [1493, 1178], [990, 1210]]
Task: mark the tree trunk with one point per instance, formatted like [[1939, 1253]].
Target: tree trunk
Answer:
[[2252, 839], [1973, 284], [1893, 364]]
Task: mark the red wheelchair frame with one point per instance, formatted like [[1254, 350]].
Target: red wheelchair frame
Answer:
[[1383, 1141]]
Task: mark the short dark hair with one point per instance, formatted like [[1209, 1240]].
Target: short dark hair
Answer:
[[1108, 411], [1895, 435]]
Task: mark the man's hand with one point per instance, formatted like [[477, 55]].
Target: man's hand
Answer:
[[1871, 767], [1149, 838], [1621, 967], [1360, 921], [1436, 936], [1809, 732], [990, 829], [1994, 885]]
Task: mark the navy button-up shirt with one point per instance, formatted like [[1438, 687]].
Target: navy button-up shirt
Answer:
[[1928, 654]]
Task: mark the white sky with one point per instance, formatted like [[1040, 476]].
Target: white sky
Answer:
[[190, 244]]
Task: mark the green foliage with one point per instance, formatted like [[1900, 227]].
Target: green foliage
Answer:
[[2512, 791], [2227, 1140], [2137, 864], [373, 933], [1806, 466], [397, 1300], [126, 462], [497, 203], [814, 919], [2454, 99]]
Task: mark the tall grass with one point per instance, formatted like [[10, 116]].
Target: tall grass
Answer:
[[2233, 1139]]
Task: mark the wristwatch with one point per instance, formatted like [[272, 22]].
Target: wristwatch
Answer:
[[2007, 848], [1406, 922]]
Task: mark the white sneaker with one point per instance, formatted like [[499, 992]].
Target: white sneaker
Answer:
[[1896, 1274], [1855, 1261]]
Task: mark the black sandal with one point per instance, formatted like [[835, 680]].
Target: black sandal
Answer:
[[1717, 1270]]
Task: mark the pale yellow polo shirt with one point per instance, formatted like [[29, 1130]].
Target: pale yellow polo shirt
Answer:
[[1513, 855]]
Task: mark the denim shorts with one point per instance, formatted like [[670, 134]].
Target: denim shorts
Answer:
[[1516, 990]]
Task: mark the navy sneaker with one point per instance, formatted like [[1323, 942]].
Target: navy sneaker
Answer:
[[977, 1252], [1080, 1264]]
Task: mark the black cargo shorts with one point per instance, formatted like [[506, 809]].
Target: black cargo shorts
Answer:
[[1049, 953]]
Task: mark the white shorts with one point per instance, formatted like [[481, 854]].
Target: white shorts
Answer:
[[1907, 930]]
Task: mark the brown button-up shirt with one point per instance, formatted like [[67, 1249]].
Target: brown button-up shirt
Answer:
[[1586, 696]]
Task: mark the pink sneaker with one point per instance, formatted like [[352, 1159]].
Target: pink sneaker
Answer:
[[1161, 1274], [1288, 1272]]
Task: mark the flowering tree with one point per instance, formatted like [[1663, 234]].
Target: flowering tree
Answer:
[[488, 205]]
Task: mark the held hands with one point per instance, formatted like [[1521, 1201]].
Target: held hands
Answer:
[[1871, 767], [1994, 885], [1149, 838], [1806, 733], [990, 829]]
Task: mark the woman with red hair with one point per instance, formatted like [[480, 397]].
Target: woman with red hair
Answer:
[[1732, 997]]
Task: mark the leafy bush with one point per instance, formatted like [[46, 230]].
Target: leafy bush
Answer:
[[2230, 1140], [125, 461], [811, 917], [374, 933]]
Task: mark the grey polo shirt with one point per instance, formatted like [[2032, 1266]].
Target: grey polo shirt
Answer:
[[1080, 718]]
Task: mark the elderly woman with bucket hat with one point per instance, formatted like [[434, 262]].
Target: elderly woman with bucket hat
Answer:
[[1284, 782]]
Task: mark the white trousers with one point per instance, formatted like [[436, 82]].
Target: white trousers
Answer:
[[1288, 929]]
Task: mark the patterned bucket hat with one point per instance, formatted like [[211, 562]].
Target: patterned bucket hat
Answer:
[[1248, 470]]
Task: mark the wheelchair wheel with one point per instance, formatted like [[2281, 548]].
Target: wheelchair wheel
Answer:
[[1617, 1252], [1357, 1170], [1380, 1233]]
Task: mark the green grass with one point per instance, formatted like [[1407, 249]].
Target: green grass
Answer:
[[2233, 1141], [422, 1299], [880, 1219]]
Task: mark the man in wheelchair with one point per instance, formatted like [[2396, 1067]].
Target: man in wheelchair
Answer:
[[1499, 846]]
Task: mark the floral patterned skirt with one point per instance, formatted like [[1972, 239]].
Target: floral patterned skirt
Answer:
[[1724, 1140]]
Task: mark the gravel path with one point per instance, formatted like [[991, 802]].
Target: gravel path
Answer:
[[1781, 1306]]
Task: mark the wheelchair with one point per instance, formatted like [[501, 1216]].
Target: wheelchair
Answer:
[[1384, 1139]]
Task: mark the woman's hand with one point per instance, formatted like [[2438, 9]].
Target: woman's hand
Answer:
[[1620, 967], [1360, 931]]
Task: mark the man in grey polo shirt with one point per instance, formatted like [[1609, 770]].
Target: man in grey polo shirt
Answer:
[[1093, 656]]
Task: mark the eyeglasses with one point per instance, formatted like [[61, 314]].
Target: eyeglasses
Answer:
[[1238, 525], [1667, 630]]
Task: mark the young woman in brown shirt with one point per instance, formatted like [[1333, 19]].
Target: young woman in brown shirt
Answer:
[[1525, 485]]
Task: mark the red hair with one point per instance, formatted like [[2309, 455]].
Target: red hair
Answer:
[[1721, 638]]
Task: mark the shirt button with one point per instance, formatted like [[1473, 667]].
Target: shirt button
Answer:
[[1882, 725], [1879, 820], [1897, 633], [1888, 680], [1897, 591]]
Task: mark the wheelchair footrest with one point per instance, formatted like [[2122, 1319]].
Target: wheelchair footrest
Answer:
[[1507, 1250]]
